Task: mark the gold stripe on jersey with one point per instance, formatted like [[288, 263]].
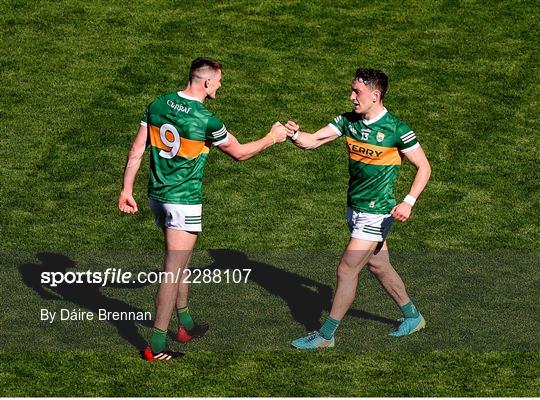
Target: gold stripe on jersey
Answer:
[[188, 148], [372, 154]]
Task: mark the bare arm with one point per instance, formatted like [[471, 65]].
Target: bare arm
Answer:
[[242, 152], [310, 141], [418, 158], [126, 202]]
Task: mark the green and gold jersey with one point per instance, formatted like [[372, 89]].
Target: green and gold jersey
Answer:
[[375, 150], [180, 133]]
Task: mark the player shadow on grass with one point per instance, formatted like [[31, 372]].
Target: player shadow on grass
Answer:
[[85, 295], [306, 298]]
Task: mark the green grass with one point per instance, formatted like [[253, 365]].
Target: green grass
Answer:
[[285, 373], [76, 77]]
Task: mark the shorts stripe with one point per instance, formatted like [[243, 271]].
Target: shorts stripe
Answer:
[[373, 232], [370, 228], [173, 216]]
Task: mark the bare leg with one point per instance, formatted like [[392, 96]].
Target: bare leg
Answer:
[[356, 255], [178, 253], [379, 265], [182, 299]]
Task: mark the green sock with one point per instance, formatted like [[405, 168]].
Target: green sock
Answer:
[[329, 328], [158, 340], [409, 310], [184, 318]]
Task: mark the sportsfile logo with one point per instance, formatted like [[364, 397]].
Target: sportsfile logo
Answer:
[[115, 276]]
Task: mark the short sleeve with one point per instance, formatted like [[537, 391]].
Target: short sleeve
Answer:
[[406, 138], [216, 131], [338, 124]]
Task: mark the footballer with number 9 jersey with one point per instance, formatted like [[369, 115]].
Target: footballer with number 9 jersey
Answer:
[[376, 142], [180, 131]]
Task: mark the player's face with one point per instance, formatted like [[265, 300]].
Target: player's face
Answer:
[[362, 97], [213, 85]]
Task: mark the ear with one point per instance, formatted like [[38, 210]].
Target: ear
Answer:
[[206, 83], [376, 96]]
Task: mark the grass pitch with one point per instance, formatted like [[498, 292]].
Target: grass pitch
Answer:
[[76, 77]]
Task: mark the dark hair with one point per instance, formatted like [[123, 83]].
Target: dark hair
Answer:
[[375, 79], [203, 63]]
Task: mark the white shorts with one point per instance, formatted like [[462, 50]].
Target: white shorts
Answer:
[[183, 217], [371, 227]]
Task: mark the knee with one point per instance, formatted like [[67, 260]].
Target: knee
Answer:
[[346, 271], [378, 269]]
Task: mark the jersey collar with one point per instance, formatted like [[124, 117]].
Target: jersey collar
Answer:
[[185, 96], [375, 119]]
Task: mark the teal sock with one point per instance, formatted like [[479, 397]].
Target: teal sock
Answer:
[[329, 328], [184, 318], [409, 310], [158, 340]]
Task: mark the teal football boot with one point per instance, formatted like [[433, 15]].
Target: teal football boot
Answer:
[[314, 340], [408, 326]]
